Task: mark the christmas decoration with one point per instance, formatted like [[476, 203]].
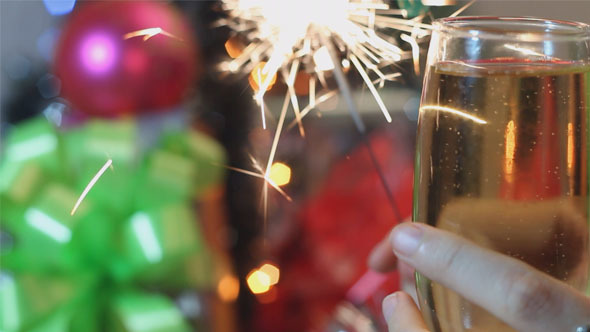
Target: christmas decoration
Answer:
[[105, 71], [133, 239]]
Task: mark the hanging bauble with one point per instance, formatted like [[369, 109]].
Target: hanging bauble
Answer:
[[126, 57]]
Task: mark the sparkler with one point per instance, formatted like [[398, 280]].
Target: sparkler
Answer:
[[286, 36], [103, 169], [320, 38], [268, 181]]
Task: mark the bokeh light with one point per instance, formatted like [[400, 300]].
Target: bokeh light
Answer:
[[17, 67], [49, 86], [228, 288], [59, 7], [233, 47], [280, 174], [272, 271], [54, 112], [190, 304], [258, 281], [46, 43]]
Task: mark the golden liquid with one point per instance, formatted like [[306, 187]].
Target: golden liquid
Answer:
[[502, 159]]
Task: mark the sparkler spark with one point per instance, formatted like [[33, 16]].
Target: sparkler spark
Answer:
[[91, 184], [285, 35], [320, 39], [462, 9], [149, 33], [267, 179]]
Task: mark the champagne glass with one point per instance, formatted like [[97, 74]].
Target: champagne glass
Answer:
[[502, 151]]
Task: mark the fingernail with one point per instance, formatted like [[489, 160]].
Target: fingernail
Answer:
[[406, 239], [389, 304]]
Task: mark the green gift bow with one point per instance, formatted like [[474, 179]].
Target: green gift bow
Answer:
[[135, 229]]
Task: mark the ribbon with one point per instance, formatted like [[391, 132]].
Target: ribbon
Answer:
[[135, 230]]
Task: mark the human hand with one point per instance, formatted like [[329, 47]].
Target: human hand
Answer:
[[513, 291]]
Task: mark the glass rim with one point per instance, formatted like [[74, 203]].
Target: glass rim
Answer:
[[516, 27]]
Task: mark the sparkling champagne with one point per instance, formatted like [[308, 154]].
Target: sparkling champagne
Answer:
[[502, 159]]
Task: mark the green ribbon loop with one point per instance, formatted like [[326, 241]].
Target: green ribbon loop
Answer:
[[157, 241], [34, 140], [44, 232], [168, 178], [28, 300], [135, 228], [142, 312], [206, 154]]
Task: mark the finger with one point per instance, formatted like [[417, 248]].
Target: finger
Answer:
[[513, 291], [407, 279], [382, 258], [401, 314]]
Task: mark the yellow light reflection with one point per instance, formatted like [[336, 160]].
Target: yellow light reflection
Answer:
[[570, 148], [510, 146], [233, 47], [258, 77], [280, 174], [272, 271], [228, 288], [258, 281], [454, 111]]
